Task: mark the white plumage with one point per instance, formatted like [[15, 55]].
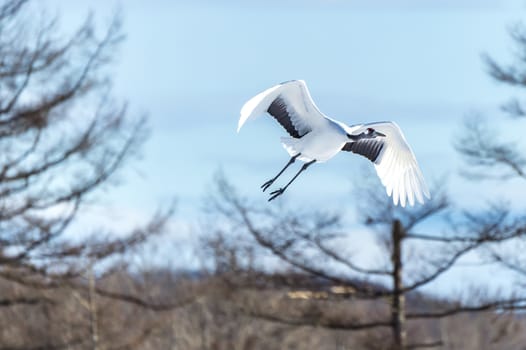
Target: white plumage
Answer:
[[317, 138]]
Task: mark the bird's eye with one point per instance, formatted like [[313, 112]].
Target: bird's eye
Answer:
[[370, 130]]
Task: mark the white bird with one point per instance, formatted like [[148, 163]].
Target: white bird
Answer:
[[317, 138]]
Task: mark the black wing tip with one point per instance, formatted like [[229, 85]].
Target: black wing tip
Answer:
[[278, 109]]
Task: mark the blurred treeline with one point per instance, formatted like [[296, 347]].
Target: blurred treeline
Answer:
[[273, 277]]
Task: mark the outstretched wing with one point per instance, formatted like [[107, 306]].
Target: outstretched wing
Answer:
[[289, 103], [394, 161]]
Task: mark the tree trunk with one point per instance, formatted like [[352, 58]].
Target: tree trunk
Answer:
[[398, 305], [93, 311]]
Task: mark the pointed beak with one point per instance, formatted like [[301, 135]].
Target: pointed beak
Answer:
[[380, 134]]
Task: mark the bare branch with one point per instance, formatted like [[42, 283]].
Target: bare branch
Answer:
[[337, 257], [434, 344], [329, 324], [146, 304], [23, 301], [510, 304], [280, 252], [489, 157]]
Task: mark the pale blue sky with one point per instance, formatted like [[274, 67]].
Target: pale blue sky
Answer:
[[192, 64]]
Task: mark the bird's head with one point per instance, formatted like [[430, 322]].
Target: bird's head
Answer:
[[370, 132]]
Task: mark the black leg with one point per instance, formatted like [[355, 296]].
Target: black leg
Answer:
[[271, 181], [279, 192]]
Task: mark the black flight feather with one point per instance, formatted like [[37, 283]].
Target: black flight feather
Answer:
[[278, 109], [369, 148]]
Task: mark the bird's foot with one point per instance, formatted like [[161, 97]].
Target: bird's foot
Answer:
[[267, 184], [276, 193]]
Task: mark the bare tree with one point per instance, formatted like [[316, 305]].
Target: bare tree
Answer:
[[497, 159], [62, 138], [313, 244]]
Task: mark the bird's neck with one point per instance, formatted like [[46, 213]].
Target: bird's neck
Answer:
[[358, 137]]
